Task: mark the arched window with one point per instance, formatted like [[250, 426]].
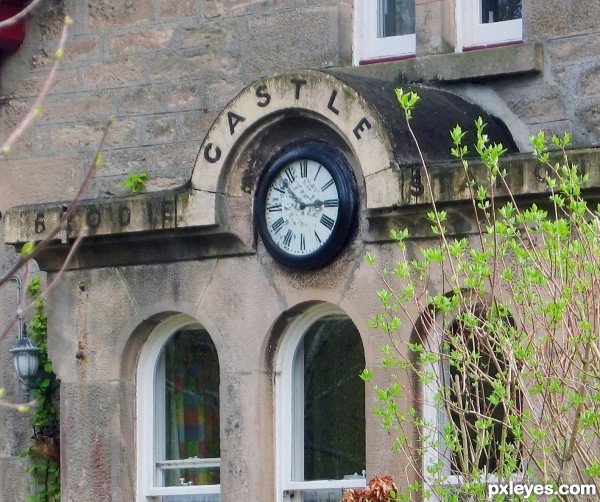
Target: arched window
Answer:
[[320, 407], [178, 415], [472, 401]]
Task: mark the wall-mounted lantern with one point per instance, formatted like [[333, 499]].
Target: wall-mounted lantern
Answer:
[[26, 359], [25, 354]]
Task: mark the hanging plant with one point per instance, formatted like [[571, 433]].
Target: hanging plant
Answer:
[[44, 449]]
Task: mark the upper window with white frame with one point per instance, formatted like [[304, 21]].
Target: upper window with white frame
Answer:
[[383, 29], [490, 22], [320, 407], [178, 415], [469, 423]]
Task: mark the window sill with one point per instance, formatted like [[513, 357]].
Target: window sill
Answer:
[[389, 59], [484, 63]]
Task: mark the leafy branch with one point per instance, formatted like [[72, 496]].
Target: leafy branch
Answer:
[[505, 333]]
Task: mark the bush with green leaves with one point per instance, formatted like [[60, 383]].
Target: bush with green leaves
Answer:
[[500, 380], [136, 182], [43, 450]]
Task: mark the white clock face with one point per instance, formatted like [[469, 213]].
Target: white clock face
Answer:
[[301, 207]]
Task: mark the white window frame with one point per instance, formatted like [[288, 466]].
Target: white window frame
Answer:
[[472, 32], [367, 46], [435, 416], [288, 385], [150, 424]]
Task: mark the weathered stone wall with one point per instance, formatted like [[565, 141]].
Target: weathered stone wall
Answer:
[[165, 69]]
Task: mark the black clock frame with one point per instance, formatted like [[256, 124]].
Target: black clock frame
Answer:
[[339, 168]]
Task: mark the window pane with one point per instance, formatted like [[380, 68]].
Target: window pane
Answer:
[[190, 498], [395, 17], [334, 400], [191, 414], [500, 10], [473, 399]]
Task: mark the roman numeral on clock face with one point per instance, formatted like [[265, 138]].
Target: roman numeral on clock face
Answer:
[[276, 227], [288, 238], [327, 221], [289, 172], [327, 185], [303, 168]]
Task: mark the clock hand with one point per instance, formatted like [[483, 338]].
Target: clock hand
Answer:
[[294, 196], [317, 203]]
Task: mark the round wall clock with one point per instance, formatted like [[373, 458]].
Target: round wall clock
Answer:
[[306, 205]]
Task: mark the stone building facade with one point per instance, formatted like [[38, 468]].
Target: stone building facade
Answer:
[[208, 97]]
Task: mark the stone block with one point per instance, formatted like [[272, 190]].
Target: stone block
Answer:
[[204, 63], [212, 33], [120, 162], [228, 8], [160, 129], [90, 432], [177, 9], [196, 124], [86, 349], [81, 107], [84, 135], [589, 116], [429, 26], [50, 19], [187, 94], [220, 92], [150, 285], [67, 80], [38, 179], [127, 71], [122, 133], [141, 41], [291, 39], [536, 102], [140, 100], [589, 81], [107, 14], [554, 17], [13, 478], [573, 49], [558, 127], [175, 160], [80, 48], [248, 426], [13, 112]]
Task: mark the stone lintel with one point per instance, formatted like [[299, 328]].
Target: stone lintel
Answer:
[[159, 246], [525, 177], [482, 64], [148, 228], [170, 226], [101, 217]]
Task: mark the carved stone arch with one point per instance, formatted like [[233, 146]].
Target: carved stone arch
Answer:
[[212, 216], [360, 113], [318, 103]]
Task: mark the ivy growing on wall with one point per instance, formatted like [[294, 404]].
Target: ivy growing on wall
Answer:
[[44, 449]]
